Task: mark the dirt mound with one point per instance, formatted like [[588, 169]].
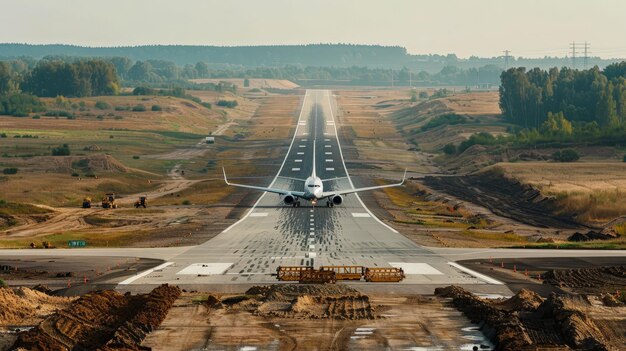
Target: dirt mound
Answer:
[[592, 235], [504, 197], [282, 292], [588, 280], [526, 321], [576, 328], [524, 300], [23, 306], [311, 301], [104, 320]]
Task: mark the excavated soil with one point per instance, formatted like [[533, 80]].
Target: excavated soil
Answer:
[[311, 301], [23, 306], [504, 197], [105, 320], [588, 280], [528, 322]]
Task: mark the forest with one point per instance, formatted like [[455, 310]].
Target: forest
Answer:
[[597, 96]]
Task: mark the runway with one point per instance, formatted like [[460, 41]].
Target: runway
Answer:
[[273, 234]]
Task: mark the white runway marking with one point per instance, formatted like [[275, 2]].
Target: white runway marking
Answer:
[[298, 160], [329, 160], [300, 153], [326, 145], [305, 133], [311, 247], [295, 169], [206, 268], [326, 139], [476, 274], [328, 153], [330, 123], [302, 145], [311, 255], [303, 140], [145, 273], [416, 268], [330, 169], [258, 214], [360, 214]]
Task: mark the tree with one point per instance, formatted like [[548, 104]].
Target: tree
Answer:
[[63, 150], [556, 125], [246, 83], [202, 69], [141, 71], [567, 155]]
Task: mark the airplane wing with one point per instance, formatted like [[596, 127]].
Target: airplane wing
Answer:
[[357, 190], [269, 190]]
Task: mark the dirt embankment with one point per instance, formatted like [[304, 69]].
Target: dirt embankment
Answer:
[[527, 322], [588, 280], [105, 320], [504, 197], [23, 306], [304, 301]]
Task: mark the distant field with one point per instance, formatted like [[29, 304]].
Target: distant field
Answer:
[[254, 83], [592, 190]]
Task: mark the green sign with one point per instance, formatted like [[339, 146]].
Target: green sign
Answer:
[[77, 243]]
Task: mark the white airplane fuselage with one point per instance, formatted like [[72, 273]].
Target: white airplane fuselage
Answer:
[[313, 188]]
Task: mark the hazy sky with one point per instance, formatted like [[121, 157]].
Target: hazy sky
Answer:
[[528, 28]]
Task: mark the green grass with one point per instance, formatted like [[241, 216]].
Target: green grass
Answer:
[[59, 240], [616, 244], [503, 237]]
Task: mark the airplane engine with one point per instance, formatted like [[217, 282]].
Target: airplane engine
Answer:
[[337, 200], [289, 199]]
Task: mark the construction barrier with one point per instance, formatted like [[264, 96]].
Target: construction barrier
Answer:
[[291, 273], [346, 272], [391, 274]]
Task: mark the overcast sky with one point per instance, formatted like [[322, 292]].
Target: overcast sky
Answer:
[[530, 28]]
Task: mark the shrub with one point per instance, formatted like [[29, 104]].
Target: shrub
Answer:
[[75, 174], [423, 95], [449, 149], [482, 138], [100, 117], [63, 150], [117, 118], [3, 135], [122, 108], [139, 108], [60, 113], [447, 119], [3, 284], [102, 105], [186, 202], [206, 104], [135, 157], [567, 155], [228, 103], [12, 170], [156, 108], [624, 159], [36, 117], [20, 105]]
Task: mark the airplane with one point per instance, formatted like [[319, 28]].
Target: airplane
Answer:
[[313, 189]]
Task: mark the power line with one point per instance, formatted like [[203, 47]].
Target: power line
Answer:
[[587, 52], [506, 59], [573, 47]]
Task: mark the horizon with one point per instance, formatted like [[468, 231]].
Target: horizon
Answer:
[[474, 28]]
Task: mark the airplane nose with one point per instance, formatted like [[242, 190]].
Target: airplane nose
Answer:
[[317, 192]]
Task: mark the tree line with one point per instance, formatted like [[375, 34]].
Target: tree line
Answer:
[[58, 78], [597, 96]]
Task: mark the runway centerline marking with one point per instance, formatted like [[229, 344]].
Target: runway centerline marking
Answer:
[[328, 153], [295, 169], [330, 169], [300, 152], [298, 160], [329, 160]]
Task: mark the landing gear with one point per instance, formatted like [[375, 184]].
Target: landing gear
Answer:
[[296, 204], [329, 204]]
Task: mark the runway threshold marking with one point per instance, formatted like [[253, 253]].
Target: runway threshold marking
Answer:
[[145, 273], [476, 274], [416, 268], [206, 268]]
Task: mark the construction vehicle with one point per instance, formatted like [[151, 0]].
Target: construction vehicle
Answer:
[[141, 202], [87, 202], [388, 274], [291, 273], [109, 201], [345, 272], [314, 276]]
